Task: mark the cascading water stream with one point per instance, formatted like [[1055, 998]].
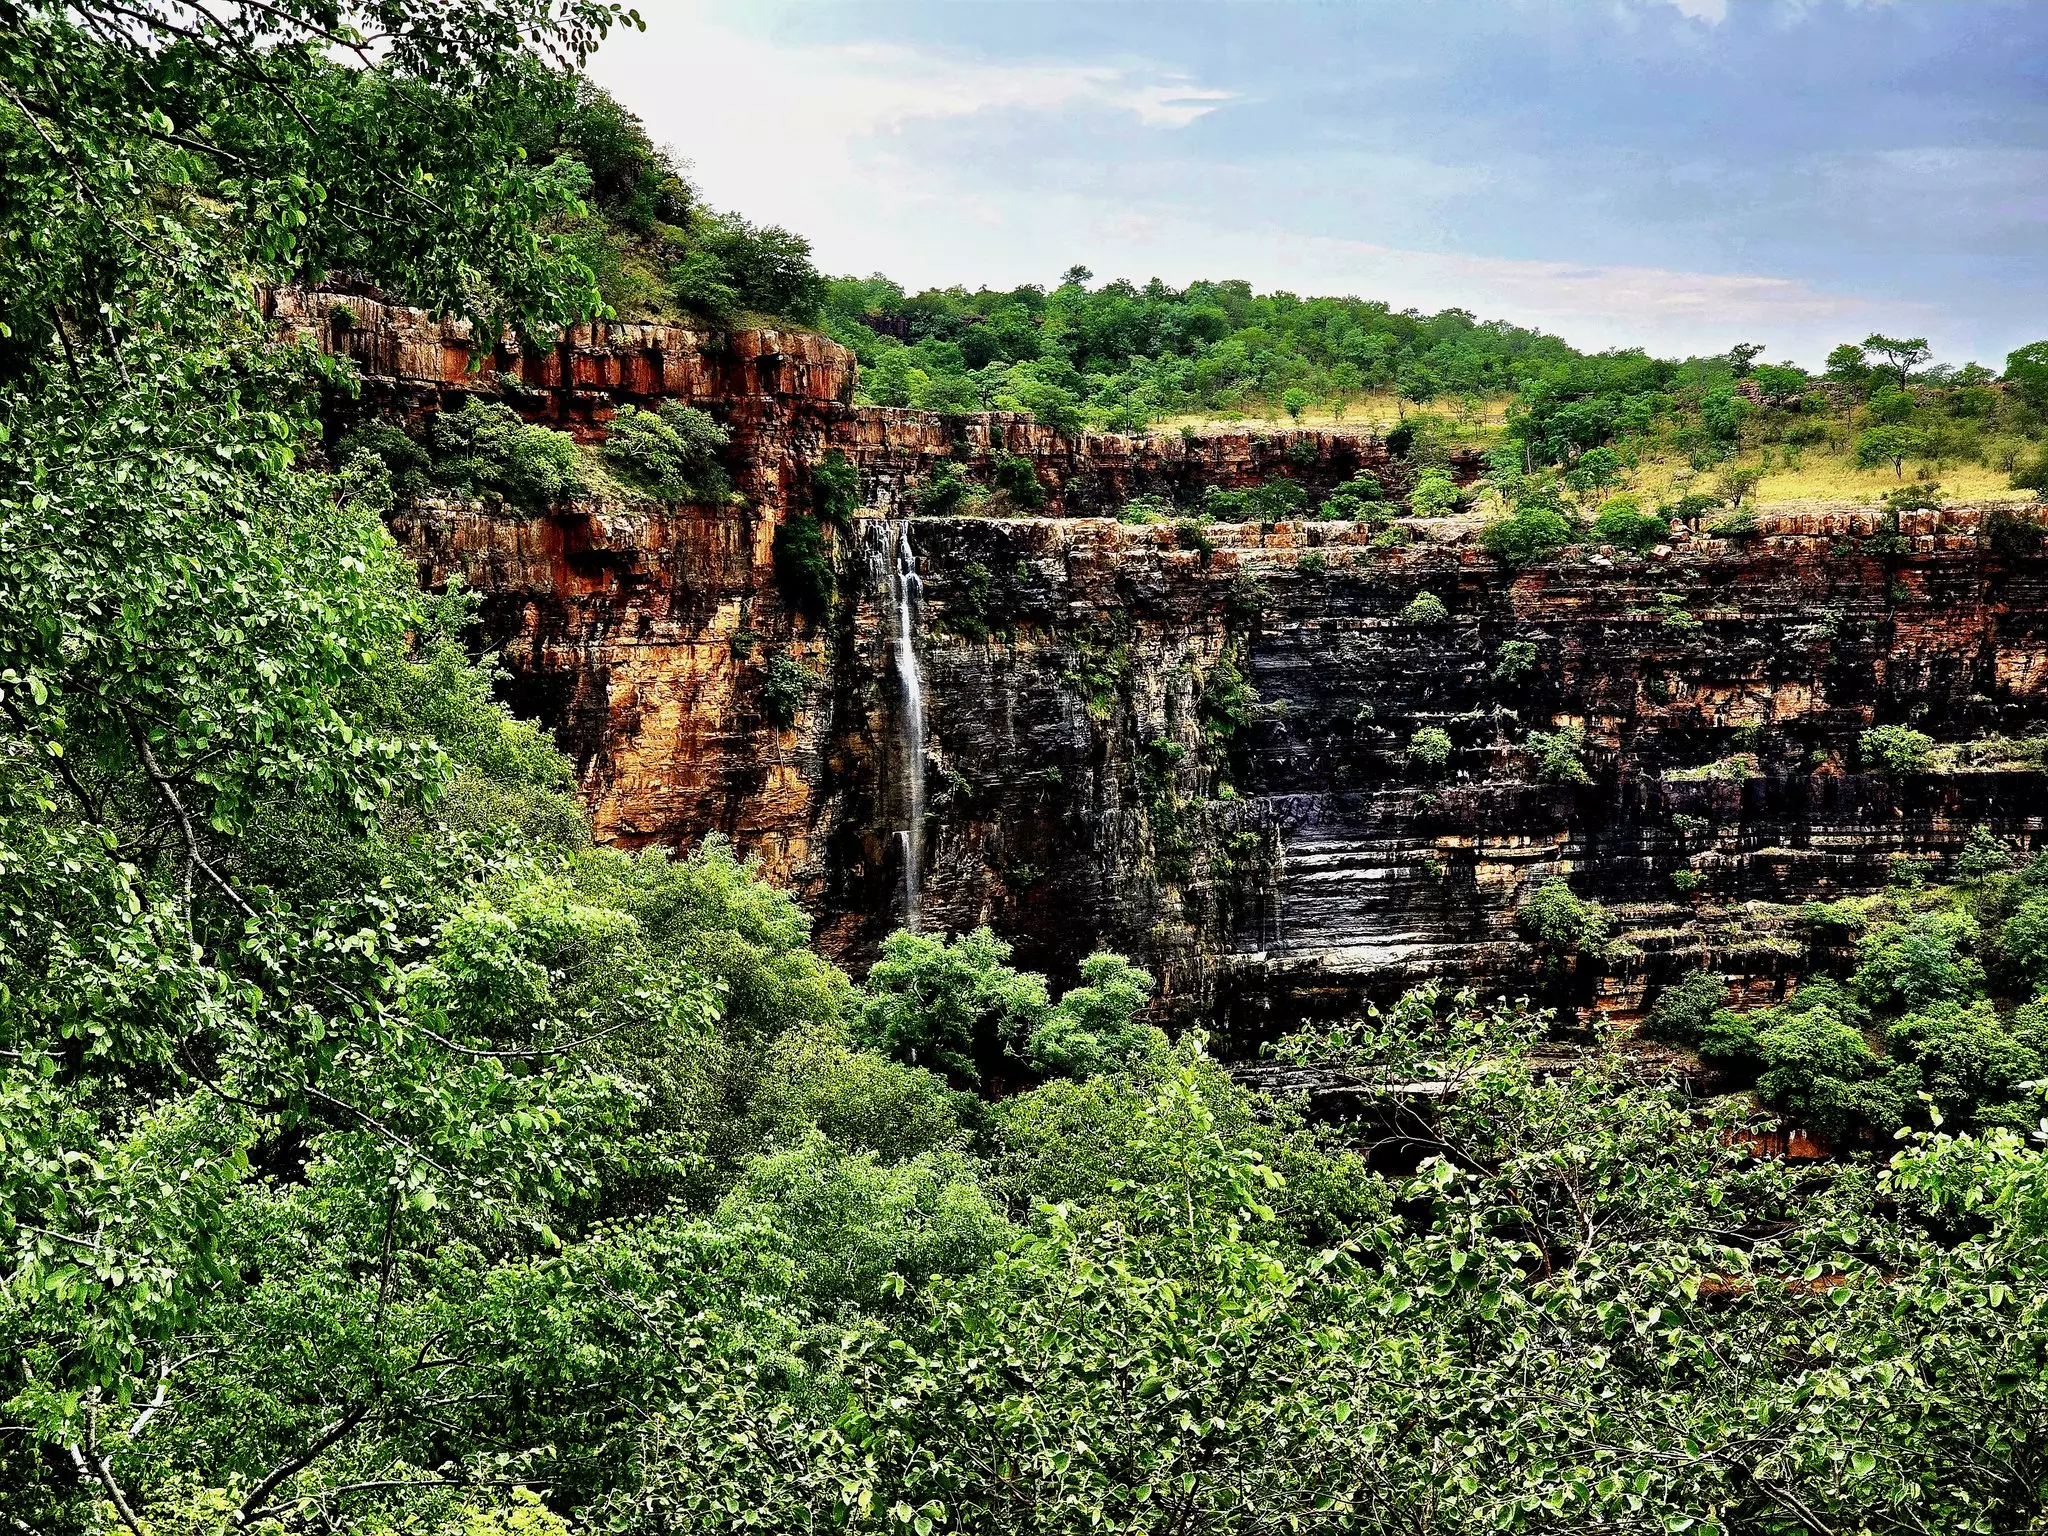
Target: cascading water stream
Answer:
[[905, 589]]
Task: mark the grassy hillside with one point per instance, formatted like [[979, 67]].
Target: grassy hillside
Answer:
[[1558, 423]]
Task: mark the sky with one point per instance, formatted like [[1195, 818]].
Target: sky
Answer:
[[1675, 174]]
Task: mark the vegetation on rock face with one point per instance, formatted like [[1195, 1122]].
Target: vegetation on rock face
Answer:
[[672, 452]]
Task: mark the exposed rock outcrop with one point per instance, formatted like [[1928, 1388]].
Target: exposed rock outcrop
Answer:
[[1197, 748]]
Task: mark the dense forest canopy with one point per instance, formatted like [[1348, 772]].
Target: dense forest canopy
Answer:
[[377, 1155]]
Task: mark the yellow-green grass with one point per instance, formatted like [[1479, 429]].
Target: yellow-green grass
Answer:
[[1825, 477], [1367, 413], [1811, 474]]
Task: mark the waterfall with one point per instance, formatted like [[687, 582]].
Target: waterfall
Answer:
[[905, 588]]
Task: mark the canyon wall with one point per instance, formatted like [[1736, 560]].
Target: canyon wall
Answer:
[[1197, 748]]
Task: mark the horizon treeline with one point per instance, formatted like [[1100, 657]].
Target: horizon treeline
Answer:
[[1117, 356]]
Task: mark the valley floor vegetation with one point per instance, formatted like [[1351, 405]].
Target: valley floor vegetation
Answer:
[[378, 1156]]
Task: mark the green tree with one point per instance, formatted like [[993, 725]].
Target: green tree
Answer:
[[1096, 1027], [1780, 384], [1736, 484], [1295, 401], [219, 679], [1530, 533], [1901, 356], [673, 452], [1888, 445], [1846, 365], [2026, 371], [953, 1005]]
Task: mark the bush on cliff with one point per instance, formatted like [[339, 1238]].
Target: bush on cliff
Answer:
[[1513, 661], [1684, 1010], [1562, 923], [1426, 611], [674, 453], [402, 456], [1527, 535], [1434, 494], [1560, 755], [484, 448], [835, 489], [946, 492], [1429, 749], [1016, 480], [803, 565], [785, 685], [1895, 748], [1622, 522]]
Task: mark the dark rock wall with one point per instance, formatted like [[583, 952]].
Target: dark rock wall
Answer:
[[1199, 755]]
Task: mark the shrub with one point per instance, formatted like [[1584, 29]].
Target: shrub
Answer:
[[1910, 965], [1429, 749], [1895, 748], [835, 489], [1622, 522], [1275, 501], [403, 457], [1560, 755], [2032, 475], [672, 453], [970, 615], [1914, 498], [486, 449], [1017, 478], [1556, 920], [944, 492], [1342, 506], [784, 687], [1191, 534], [1427, 610], [1685, 881], [1684, 1009], [1526, 535], [1433, 495], [1146, 509], [2011, 535], [1515, 660], [803, 567], [1739, 524]]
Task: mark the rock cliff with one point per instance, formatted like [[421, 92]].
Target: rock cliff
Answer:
[[1197, 748]]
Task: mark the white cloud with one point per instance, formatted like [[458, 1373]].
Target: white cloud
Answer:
[[867, 151]]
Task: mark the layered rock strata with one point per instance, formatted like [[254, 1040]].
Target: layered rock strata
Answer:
[[1196, 747]]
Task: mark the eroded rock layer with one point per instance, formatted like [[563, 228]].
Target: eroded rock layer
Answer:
[[1198, 748]]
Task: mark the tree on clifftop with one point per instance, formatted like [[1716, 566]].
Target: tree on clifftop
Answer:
[[1901, 356]]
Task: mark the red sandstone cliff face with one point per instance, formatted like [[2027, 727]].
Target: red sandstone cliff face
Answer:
[[1200, 756]]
